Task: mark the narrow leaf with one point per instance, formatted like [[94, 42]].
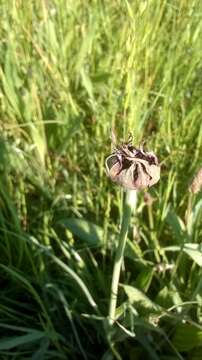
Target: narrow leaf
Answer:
[[85, 230], [137, 296], [12, 342], [187, 337]]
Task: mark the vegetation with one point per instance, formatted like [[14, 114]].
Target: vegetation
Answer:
[[70, 71]]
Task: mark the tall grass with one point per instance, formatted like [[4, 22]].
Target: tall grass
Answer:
[[70, 71]]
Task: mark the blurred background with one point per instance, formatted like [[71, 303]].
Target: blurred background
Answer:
[[69, 72]]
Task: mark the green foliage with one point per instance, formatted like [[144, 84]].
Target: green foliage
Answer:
[[84, 230], [69, 72]]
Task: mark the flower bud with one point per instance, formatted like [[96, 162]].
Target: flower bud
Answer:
[[133, 168]]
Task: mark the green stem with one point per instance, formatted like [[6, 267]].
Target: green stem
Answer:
[[129, 203], [153, 235]]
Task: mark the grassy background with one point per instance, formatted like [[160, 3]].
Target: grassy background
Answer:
[[70, 71]]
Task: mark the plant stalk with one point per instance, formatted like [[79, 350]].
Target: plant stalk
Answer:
[[129, 204]]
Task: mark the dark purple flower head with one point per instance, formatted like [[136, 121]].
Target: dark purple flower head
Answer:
[[133, 168]]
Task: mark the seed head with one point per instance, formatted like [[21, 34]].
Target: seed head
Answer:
[[196, 184], [133, 168]]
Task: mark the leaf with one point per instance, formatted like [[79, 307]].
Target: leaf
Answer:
[[43, 348], [163, 298], [194, 251], [76, 278], [18, 328], [144, 279], [87, 83], [39, 141], [195, 214], [12, 342], [137, 296], [133, 251], [196, 353], [107, 355], [85, 230], [176, 224], [187, 337]]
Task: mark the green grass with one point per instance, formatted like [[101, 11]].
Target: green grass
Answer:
[[69, 72]]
